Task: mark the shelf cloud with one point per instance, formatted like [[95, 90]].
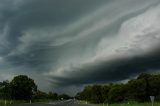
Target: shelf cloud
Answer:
[[65, 45]]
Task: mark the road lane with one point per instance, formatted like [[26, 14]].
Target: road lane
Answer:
[[60, 103]]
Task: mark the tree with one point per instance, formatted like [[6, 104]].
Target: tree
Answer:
[[22, 87], [105, 90], [85, 94], [137, 90], [154, 86], [5, 90], [116, 93], [39, 95], [52, 96], [96, 94]]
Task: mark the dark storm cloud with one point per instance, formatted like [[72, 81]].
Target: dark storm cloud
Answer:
[[113, 71], [38, 13], [76, 42]]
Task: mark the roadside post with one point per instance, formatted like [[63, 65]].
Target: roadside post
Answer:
[[5, 102], [30, 102], [86, 102], [152, 99]]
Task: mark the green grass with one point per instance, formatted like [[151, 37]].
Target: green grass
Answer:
[[2, 102], [126, 104]]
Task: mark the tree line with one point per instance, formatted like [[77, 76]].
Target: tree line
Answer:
[[139, 89], [22, 87]]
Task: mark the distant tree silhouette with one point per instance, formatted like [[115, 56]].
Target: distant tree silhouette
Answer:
[[138, 89], [22, 87]]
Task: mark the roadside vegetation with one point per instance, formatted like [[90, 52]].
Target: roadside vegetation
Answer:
[[22, 89], [126, 104], [139, 90]]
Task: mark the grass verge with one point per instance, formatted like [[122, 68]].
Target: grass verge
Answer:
[[126, 104], [7, 102]]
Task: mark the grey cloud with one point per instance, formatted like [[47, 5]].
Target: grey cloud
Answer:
[[115, 70], [50, 36]]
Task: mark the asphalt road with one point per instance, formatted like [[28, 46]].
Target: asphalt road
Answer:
[[60, 103]]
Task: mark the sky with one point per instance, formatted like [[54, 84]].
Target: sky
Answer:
[[66, 44]]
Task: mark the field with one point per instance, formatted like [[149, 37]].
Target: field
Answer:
[[126, 104], [2, 102]]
